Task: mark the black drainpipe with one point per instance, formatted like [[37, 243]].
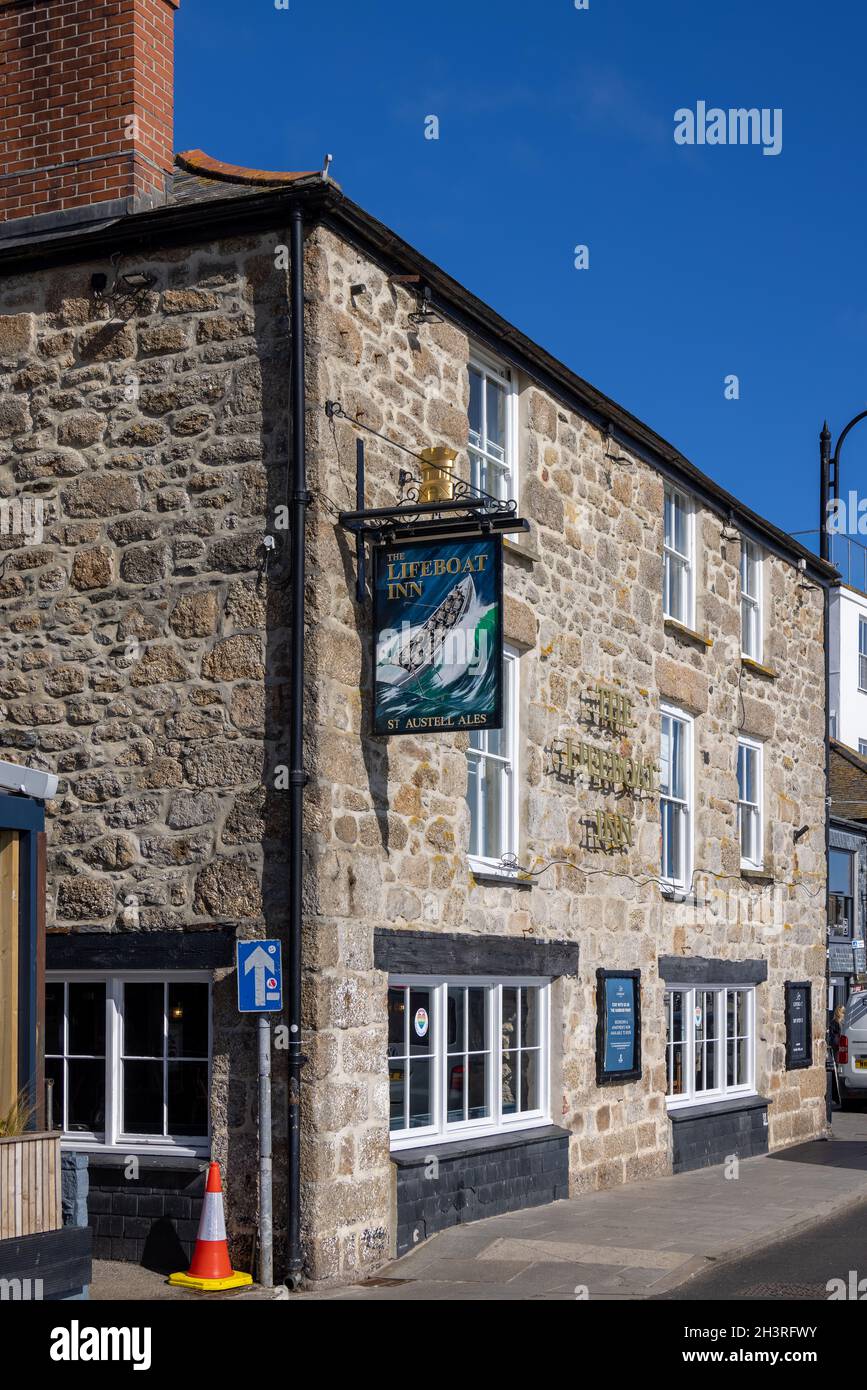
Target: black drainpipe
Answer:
[[299, 499]]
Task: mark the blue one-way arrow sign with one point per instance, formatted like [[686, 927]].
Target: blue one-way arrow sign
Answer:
[[260, 977]]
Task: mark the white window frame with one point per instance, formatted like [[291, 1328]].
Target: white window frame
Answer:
[[678, 567], [687, 819], [752, 633], [115, 1140], [721, 1090], [862, 653], [443, 1131], [508, 765], [755, 747], [479, 456], [862, 748]]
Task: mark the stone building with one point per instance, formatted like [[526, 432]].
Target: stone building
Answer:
[[652, 809]]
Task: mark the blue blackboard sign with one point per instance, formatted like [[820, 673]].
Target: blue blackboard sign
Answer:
[[618, 1026]]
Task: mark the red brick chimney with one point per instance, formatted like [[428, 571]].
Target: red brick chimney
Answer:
[[86, 106]]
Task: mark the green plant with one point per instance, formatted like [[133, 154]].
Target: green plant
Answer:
[[17, 1117]]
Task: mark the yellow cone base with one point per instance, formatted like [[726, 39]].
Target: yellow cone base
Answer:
[[235, 1281]]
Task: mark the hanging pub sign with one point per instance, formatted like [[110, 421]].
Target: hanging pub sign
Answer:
[[618, 1026], [438, 635], [799, 1025]]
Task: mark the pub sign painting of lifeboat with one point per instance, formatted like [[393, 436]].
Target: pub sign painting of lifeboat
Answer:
[[438, 636]]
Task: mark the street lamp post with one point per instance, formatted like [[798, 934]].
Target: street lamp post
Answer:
[[830, 478]]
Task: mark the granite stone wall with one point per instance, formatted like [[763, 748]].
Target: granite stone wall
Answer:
[[143, 657], [389, 822], [143, 457]]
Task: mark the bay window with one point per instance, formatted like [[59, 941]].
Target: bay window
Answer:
[[492, 780], [710, 1043], [751, 600], [675, 797], [678, 564], [130, 1059], [750, 818], [466, 1056]]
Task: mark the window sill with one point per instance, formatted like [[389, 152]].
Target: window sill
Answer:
[[489, 876], [674, 893], [540, 1133], [492, 879], [687, 634], [749, 663], [757, 876], [521, 552], [749, 1100], [119, 1158]]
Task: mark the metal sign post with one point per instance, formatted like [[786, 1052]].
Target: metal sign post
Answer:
[[266, 1171], [260, 991]]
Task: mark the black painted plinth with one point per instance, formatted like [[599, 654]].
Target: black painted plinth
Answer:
[[709, 1134], [152, 1220], [483, 1177]]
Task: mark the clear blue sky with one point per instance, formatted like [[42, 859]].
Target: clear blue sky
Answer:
[[556, 128]]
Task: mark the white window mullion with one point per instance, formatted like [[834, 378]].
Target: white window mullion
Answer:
[[113, 1064], [65, 1056], [440, 999], [493, 1043], [165, 1058]]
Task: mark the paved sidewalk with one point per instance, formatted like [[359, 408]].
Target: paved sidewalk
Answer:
[[631, 1242], [636, 1241]]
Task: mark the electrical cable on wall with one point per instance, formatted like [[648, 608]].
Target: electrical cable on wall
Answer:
[[509, 863]]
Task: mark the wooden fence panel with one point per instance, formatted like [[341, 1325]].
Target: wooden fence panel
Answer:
[[30, 1185]]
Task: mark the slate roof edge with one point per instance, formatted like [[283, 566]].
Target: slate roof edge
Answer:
[[325, 201]]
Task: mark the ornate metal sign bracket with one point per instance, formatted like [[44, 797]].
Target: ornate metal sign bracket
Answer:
[[434, 506]]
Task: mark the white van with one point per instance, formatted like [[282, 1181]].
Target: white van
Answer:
[[852, 1050]]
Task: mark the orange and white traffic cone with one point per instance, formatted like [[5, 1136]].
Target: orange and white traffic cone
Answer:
[[211, 1268]]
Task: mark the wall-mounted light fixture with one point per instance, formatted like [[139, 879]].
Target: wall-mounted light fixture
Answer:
[[425, 312], [132, 284], [136, 281]]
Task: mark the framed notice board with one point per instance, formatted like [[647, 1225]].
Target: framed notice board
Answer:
[[618, 1026], [799, 1024]]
